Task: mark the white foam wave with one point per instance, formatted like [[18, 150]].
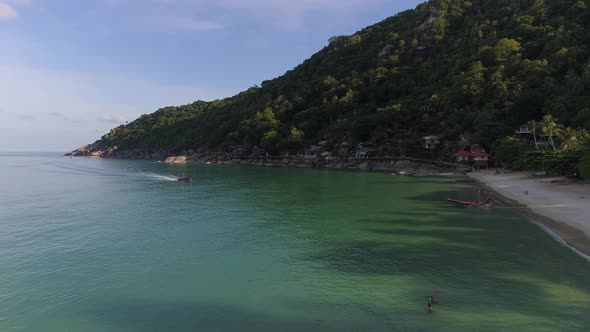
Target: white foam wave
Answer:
[[161, 177]]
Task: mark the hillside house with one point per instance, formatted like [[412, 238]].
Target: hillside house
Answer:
[[523, 130], [475, 156], [431, 142], [525, 133]]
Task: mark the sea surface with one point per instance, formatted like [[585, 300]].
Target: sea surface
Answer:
[[99, 245]]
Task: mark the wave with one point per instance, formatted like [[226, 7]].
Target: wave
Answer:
[[86, 169]]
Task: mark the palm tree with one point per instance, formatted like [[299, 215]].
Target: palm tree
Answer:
[[550, 128], [533, 125], [570, 138]]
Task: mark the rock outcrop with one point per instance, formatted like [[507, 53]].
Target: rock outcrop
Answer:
[[176, 160], [388, 50]]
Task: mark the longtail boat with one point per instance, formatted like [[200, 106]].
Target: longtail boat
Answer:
[[185, 178], [471, 204]]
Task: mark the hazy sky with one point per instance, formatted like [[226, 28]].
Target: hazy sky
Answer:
[[70, 70]]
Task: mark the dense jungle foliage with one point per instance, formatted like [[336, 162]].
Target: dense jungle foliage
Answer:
[[445, 68]]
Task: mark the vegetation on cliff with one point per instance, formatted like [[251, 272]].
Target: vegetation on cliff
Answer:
[[547, 146], [445, 68]]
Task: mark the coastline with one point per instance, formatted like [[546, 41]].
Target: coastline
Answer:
[[557, 205], [325, 160], [401, 166]]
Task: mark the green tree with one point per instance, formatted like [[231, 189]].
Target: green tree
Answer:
[[584, 166], [570, 138], [508, 150], [353, 40], [506, 49], [270, 141], [473, 79], [534, 126], [550, 128], [296, 136]]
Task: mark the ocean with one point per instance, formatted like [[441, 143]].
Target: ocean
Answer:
[[119, 245]]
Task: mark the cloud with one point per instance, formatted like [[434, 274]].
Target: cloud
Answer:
[[7, 12], [57, 115], [26, 117], [63, 117], [184, 22], [114, 119], [18, 2], [205, 15], [50, 110], [193, 24]]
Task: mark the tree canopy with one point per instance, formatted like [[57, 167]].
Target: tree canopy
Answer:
[[444, 68]]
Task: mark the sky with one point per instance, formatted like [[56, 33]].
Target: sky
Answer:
[[72, 70]]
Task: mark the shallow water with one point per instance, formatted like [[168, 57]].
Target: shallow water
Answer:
[[112, 245]]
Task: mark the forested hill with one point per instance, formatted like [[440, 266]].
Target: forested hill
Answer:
[[445, 68]]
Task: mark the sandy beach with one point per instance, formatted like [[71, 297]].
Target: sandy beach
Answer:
[[558, 203]]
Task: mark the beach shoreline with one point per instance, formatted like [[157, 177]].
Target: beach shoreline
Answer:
[[557, 205]]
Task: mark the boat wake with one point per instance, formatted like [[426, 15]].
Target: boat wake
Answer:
[[88, 169], [161, 177]]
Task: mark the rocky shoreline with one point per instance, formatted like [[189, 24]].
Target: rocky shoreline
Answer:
[[318, 159], [405, 166]]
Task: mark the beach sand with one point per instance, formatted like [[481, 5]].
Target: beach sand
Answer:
[[557, 203]]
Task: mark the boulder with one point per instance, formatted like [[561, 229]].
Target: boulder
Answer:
[[344, 150], [96, 154], [388, 50], [255, 152], [180, 160]]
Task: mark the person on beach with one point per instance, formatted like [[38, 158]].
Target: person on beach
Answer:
[[435, 294]]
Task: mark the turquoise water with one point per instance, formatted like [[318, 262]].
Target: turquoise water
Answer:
[[111, 245]]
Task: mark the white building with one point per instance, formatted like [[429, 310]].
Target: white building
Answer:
[[431, 142]]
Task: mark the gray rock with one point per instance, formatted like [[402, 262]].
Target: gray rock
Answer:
[[387, 51], [256, 152]]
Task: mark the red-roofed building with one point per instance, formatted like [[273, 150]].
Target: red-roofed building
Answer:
[[474, 155]]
